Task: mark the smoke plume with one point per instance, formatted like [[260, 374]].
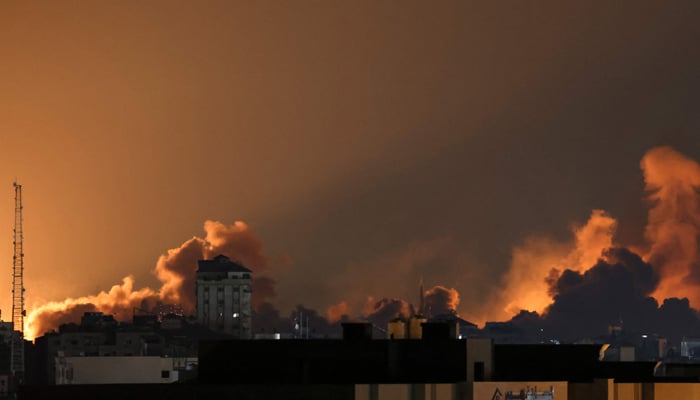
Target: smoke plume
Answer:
[[119, 300], [539, 260], [380, 312], [441, 301], [617, 288], [176, 270], [672, 181], [577, 290], [565, 288]]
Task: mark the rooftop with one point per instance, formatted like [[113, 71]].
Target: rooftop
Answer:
[[221, 263]]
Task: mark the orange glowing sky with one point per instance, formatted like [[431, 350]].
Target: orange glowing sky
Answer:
[[367, 144]]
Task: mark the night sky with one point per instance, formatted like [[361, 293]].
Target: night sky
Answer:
[[366, 144]]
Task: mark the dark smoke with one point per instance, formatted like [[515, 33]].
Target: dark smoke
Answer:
[[441, 301], [381, 312], [616, 291], [617, 288]]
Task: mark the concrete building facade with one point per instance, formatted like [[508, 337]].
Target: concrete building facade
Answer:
[[224, 294], [120, 370]]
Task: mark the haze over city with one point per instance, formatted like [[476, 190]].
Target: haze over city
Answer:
[[344, 151]]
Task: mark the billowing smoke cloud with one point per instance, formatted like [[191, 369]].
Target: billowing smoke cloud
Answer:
[[575, 287], [540, 260], [578, 291], [617, 288], [119, 300], [672, 181], [380, 312], [176, 270], [238, 242], [396, 273], [441, 301]]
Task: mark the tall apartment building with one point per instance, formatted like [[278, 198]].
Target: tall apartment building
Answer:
[[224, 290]]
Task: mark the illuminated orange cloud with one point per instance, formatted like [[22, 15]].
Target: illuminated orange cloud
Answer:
[[176, 270], [120, 300], [441, 300], [538, 260], [335, 312], [672, 182]]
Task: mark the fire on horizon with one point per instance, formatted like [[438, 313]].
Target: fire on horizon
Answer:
[[494, 151], [533, 282]]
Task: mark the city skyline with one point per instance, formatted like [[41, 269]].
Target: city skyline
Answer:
[[363, 145]]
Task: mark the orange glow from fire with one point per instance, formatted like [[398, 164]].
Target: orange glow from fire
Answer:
[[672, 181], [525, 285], [119, 300], [335, 312]]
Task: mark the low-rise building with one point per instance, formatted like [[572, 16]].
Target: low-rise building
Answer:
[[120, 370]]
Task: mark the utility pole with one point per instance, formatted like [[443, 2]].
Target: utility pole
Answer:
[[18, 312]]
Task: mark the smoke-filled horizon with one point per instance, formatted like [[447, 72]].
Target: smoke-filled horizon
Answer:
[[366, 144], [575, 287]]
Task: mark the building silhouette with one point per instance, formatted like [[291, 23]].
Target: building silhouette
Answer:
[[224, 292]]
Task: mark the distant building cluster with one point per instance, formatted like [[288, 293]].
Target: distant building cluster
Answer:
[[436, 366], [163, 353]]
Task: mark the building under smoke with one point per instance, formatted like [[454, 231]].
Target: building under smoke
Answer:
[[224, 293]]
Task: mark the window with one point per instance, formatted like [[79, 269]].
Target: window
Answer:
[[165, 374]]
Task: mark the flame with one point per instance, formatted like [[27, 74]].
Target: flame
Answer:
[[672, 181]]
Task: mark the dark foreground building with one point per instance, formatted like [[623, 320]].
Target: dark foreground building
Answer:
[[437, 367], [355, 367]]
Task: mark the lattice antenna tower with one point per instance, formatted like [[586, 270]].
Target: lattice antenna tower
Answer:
[[18, 312]]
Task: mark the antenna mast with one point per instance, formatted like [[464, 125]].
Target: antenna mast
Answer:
[[17, 349], [421, 308]]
